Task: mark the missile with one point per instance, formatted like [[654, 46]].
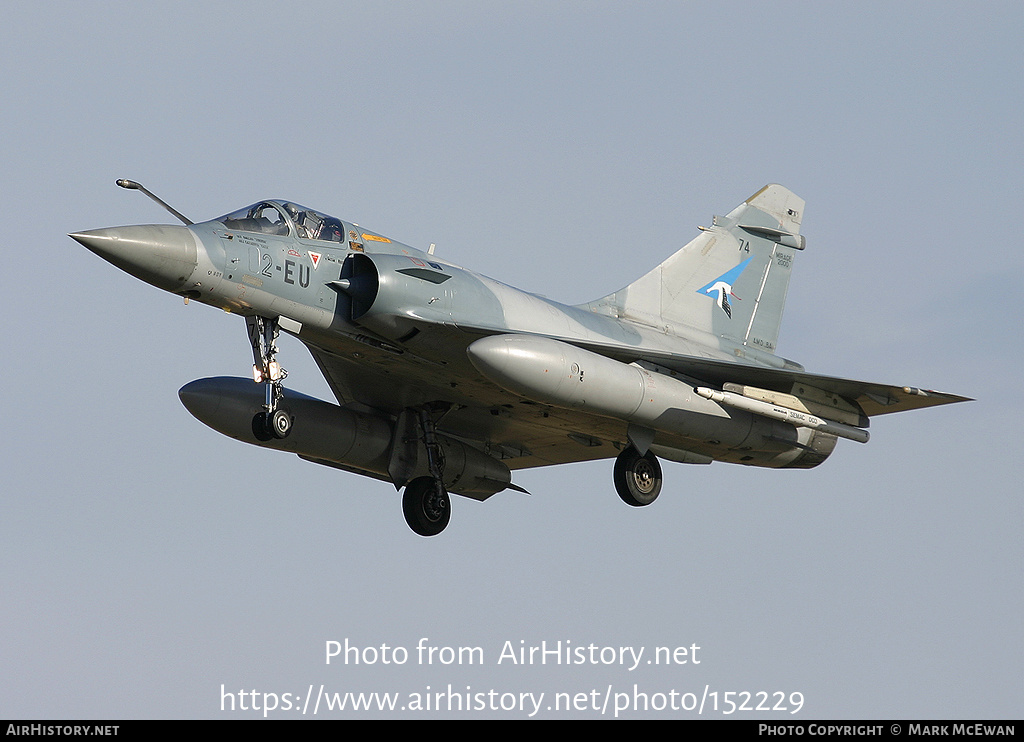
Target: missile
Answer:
[[328, 434], [785, 414]]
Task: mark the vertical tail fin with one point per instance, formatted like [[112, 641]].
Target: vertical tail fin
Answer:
[[730, 281]]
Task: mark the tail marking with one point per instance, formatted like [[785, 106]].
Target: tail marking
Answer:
[[723, 286]]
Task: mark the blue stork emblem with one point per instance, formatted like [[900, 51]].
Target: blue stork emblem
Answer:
[[720, 289]]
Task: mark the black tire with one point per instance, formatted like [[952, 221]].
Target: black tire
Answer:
[[637, 478], [425, 512], [281, 423]]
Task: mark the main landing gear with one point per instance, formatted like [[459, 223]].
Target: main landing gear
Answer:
[[425, 502], [426, 506], [274, 421], [637, 478]]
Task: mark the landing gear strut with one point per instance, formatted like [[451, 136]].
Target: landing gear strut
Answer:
[[637, 478], [274, 421], [425, 501]]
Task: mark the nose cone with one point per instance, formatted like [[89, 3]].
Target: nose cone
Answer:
[[162, 255]]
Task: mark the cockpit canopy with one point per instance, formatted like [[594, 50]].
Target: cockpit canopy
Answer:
[[285, 218]]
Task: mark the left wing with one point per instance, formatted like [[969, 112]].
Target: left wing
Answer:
[[873, 399]]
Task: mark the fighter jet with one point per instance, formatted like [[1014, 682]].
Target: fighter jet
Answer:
[[446, 381]]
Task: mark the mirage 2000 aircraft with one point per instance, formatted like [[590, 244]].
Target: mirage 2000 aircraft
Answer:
[[447, 380]]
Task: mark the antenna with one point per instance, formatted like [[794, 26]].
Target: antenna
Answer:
[[131, 185]]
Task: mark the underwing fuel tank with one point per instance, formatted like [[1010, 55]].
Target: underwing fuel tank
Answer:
[[333, 435], [563, 375]]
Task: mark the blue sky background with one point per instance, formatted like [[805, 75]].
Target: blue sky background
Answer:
[[565, 148]]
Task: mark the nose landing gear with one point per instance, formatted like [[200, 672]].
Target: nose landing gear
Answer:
[[274, 421]]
